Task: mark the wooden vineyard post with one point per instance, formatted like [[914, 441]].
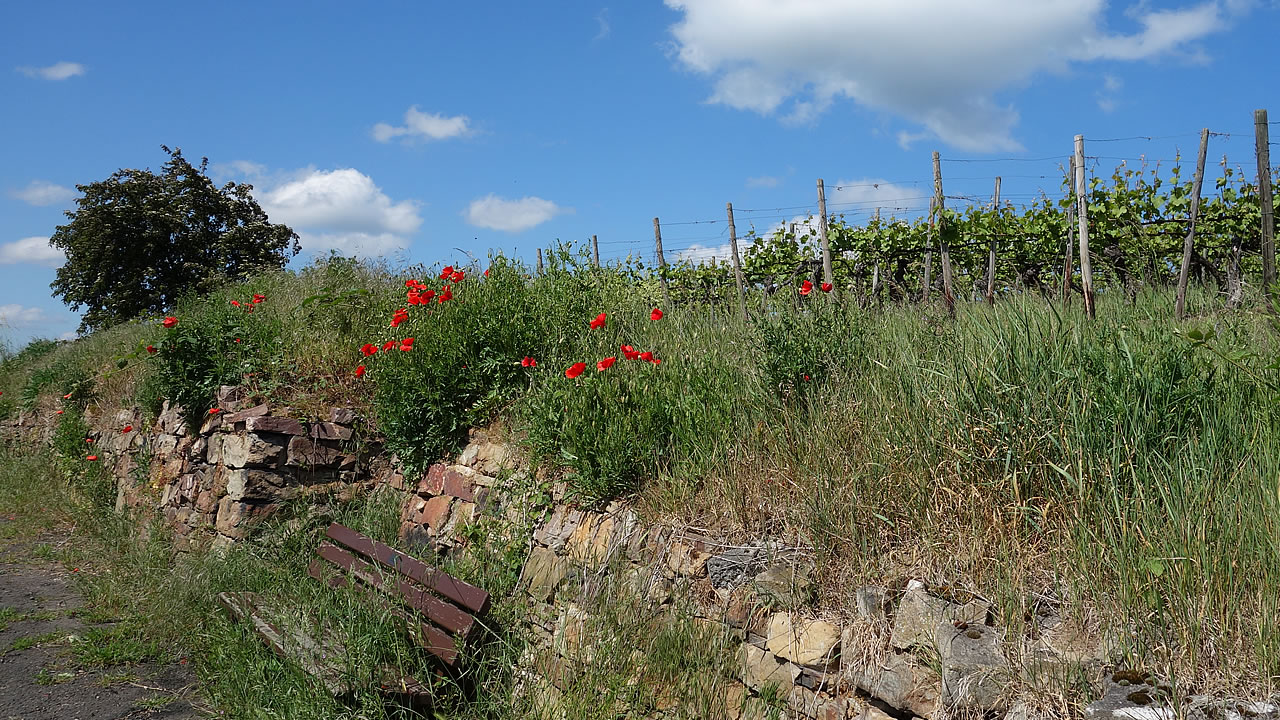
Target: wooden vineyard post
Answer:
[[595, 251], [948, 294], [662, 261], [539, 261], [1189, 244], [737, 262], [822, 233], [927, 283], [1263, 146], [991, 257], [1082, 209], [1069, 265]]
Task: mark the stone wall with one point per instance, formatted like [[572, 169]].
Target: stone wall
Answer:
[[914, 651]]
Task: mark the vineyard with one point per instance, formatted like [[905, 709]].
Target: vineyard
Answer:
[[1139, 217]]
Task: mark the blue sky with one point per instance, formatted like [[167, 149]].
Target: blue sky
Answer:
[[424, 131]]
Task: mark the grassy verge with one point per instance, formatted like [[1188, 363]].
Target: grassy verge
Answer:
[[1011, 450]]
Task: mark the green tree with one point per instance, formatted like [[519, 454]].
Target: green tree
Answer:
[[138, 241]]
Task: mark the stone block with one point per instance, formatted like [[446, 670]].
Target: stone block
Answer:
[[761, 669], [329, 431], [242, 415], [435, 512], [457, 484], [279, 425], [308, 453], [1129, 695], [803, 642], [433, 482], [464, 513], [783, 586], [974, 673], [687, 559], [735, 566], [919, 614], [342, 416], [543, 573], [257, 485], [900, 683], [237, 451]]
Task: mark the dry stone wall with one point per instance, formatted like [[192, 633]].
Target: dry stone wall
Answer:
[[913, 651]]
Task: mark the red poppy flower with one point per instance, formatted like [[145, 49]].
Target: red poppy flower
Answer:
[[368, 349], [258, 297], [415, 298], [411, 283], [151, 349], [656, 361], [236, 303], [89, 440], [629, 352], [606, 363], [826, 287], [806, 287], [446, 272], [406, 344], [400, 316], [126, 429], [527, 361], [575, 370], [486, 272], [67, 396], [598, 322], [388, 345], [58, 413], [169, 321], [237, 339], [360, 371], [91, 458], [427, 297], [806, 378], [656, 314], [646, 356], [457, 276], [214, 411], [446, 294]]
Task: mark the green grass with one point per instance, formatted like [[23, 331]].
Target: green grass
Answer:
[[26, 642], [1005, 450]]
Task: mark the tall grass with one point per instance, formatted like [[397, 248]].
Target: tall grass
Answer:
[[1011, 449]]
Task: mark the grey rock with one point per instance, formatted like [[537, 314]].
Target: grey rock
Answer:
[[735, 566], [974, 673], [920, 613], [783, 587], [872, 603], [1130, 696], [342, 416]]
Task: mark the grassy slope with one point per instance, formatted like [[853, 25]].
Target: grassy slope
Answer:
[[1007, 451]]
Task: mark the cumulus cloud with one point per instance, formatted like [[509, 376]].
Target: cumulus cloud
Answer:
[[41, 193], [56, 71], [426, 126], [938, 64], [17, 316], [866, 194], [498, 213], [35, 250], [340, 210]]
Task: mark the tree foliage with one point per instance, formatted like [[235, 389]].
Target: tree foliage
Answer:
[[138, 241]]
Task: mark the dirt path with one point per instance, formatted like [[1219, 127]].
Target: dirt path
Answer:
[[56, 661]]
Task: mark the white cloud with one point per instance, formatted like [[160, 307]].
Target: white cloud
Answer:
[[42, 193], [340, 209], [867, 194], [602, 19], [763, 181], [35, 250], [938, 64], [17, 316], [56, 71], [428, 126], [497, 213]]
